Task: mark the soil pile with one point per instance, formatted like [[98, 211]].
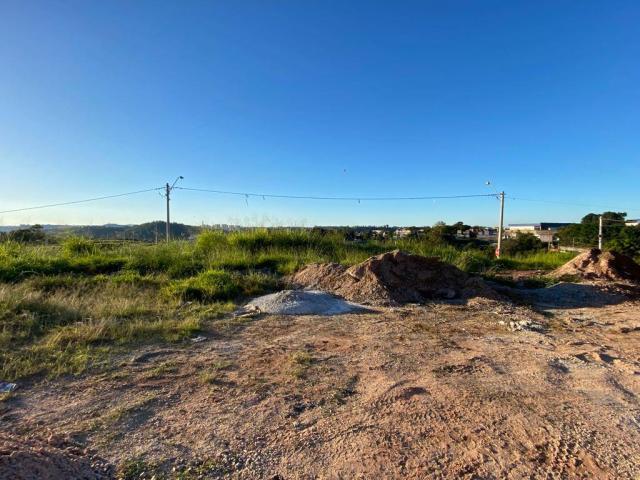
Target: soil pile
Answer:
[[52, 459], [598, 265], [392, 278], [302, 302]]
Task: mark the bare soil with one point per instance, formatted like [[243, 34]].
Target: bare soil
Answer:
[[443, 390], [599, 265]]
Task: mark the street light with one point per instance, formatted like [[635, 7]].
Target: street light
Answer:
[[167, 194]]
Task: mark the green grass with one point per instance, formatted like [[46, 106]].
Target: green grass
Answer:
[[535, 261], [69, 307], [300, 362]]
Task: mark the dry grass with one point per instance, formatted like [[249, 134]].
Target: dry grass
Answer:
[[300, 363], [71, 329]]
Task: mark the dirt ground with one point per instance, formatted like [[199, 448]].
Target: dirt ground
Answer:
[[444, 390]]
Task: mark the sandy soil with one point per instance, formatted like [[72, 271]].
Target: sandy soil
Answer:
[[444, 390]]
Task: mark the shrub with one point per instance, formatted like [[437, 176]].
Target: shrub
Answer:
[[211, 240], [523, 243], [473, 261], [177, 259], [78, 246], [211, 285], [220, 285]]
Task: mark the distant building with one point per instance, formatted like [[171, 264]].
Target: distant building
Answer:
[[480, 233], [545, 231], [402, 232], [632, 223]]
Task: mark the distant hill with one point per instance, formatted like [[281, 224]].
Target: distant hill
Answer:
[[146, 232]]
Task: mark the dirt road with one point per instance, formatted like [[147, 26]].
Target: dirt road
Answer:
[[438, 391]]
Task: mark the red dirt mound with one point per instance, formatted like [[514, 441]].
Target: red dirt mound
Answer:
[[392, 278], [53, 459], [598, 265]]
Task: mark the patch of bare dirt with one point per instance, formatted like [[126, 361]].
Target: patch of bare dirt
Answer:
[[392, 278], [599, 265], [31, 457], [433, 391]]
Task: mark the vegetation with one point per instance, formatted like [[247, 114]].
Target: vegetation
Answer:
[[523, 243], [32, 234], [73, 305], [618, 236]]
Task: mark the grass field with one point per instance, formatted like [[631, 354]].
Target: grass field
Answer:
[[68, 307]]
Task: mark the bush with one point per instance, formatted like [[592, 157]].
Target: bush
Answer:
[[177, 259], [474, 261], [78, 246], [210, 241], [263, 239], [211, 285], [523, 243], [220, 285], [33, 234]]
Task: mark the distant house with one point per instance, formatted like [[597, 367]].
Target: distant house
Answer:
[[632, 223], [486, 233], [402, 232], [545, 231], [480, 233]]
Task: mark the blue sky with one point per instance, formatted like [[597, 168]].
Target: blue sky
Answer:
[[319, 98]]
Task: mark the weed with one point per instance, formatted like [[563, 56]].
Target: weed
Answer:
[[161, 370], [300, 363], [212, 285], [5, 396], [136, 468], [213, 373], [78, 246]]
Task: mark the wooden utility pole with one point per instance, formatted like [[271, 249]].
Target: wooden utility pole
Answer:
[[167, 194], [501, 225]]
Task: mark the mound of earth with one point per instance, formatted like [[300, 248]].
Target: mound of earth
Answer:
[[53, 459], [392, 278], [302, 302], [598, 265]]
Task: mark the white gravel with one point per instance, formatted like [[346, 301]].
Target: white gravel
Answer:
[[302, 302]]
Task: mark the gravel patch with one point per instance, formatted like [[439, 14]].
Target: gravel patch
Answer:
[[302, 302]]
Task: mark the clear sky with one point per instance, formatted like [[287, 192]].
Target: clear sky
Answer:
[[319, 98]]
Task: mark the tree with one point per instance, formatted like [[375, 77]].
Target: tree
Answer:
[[585, 233], [32, 234], [627, 241], [592, 218], [523, 243]]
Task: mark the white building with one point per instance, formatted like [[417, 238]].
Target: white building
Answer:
[[545, 231]]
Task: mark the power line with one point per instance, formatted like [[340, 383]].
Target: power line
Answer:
[[311, 197], [80, 201]]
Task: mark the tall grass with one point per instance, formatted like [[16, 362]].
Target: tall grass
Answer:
[[535, 261], [278, 252]]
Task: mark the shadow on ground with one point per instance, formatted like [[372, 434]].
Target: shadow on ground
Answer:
[[570, 295]]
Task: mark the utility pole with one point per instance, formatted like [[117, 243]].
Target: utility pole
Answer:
[[600, 232], [501, 226], [167, 194]]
